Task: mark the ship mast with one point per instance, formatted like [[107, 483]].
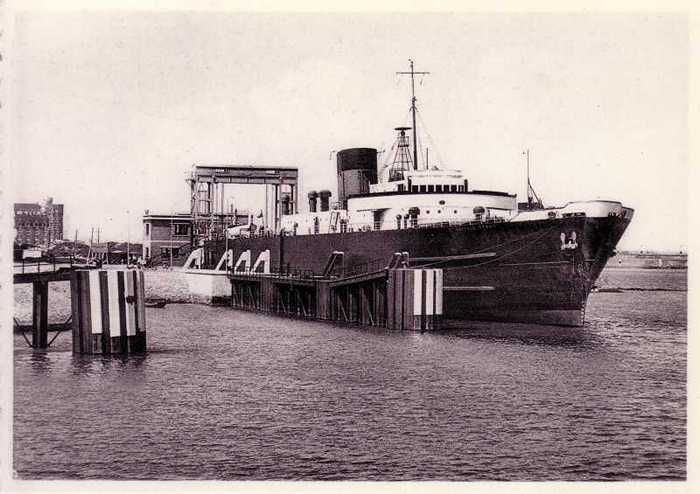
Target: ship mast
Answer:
[[412, 73], [530, 189]]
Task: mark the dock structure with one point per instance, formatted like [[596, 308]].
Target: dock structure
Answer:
[[40, 274], [107, 307], [392, 296]]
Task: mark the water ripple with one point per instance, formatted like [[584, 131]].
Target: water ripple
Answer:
[[234, 395]]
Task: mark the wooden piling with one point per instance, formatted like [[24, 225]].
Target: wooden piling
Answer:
[[40, 314], [84, 301], [75, 312], [138, 344], [95, 300], [104, 304], [121, 297]]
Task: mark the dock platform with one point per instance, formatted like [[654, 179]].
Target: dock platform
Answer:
[[392, 296]]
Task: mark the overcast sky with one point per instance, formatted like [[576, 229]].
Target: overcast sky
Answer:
[[110, 110]]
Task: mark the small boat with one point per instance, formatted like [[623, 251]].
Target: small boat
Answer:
[[157, 303]]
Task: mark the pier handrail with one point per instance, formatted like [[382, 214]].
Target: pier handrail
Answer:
[[298, 272], [51, 262]]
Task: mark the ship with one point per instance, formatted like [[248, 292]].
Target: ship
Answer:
[[501, 260]]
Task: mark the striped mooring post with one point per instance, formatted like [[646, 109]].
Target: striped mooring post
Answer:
[[109, 312], [414, 299]]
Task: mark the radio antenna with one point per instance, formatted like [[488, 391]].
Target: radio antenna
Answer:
[[413, 73]]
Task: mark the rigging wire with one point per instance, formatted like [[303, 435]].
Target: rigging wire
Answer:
[[430, 138]]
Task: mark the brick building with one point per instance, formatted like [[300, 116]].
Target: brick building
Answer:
[[39, 224], [163, 232]]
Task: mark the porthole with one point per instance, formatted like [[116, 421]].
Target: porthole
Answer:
[[439, 211], [455, 211], [428, 211]]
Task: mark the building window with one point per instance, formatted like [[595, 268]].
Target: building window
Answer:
[[181, 229], [148, 230]]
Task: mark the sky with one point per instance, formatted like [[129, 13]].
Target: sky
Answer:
[[111, 109]]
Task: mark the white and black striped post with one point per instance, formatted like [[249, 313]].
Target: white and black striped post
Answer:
[[109, 313], [414, 299]]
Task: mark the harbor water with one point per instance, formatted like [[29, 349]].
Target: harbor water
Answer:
[[234, 395]]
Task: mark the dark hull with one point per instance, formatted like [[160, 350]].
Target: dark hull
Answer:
[[509, 271]]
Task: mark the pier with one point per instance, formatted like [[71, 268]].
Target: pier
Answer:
[[391, 295], [40, 274], [107, 307]]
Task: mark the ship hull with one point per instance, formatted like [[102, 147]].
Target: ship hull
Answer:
[[531, 271]]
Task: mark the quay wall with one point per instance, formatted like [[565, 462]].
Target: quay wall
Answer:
[[648, 261]]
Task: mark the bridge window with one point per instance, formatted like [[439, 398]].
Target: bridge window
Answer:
[[401, 187], [453, 188], [461, 188], [438, 188], [422, 188], [414, 188], [431, 188]]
